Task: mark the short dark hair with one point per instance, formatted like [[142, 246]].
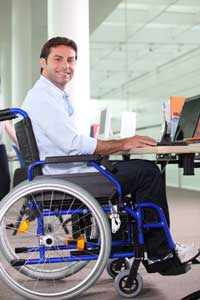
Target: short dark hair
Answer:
[[57, 41]]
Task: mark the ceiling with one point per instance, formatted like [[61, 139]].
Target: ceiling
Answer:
[[147, 47]]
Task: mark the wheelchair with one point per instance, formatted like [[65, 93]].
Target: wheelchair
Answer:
[[59, 232]]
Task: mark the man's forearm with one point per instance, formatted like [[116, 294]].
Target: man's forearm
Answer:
[[109, 147], [113, 146]]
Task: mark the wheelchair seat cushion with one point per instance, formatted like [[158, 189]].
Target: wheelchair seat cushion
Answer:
[[95, 183]]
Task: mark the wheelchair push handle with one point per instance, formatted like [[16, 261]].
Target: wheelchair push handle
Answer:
[[11, 113], [6, 114]]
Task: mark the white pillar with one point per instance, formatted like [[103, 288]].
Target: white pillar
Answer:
[[5, 37], [39, 34], [6, 76], [71, 19], [21, 50]]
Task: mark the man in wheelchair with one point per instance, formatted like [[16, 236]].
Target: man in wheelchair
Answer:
[[51, 112]]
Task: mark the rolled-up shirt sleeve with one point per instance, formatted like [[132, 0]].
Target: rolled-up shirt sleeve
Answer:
[[87, 145]]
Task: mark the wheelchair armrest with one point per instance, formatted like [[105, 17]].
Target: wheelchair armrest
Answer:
[[71, 158], [101, 160], [104, 161]]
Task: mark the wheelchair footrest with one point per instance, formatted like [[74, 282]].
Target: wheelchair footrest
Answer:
[[168, 267], [17, 262]]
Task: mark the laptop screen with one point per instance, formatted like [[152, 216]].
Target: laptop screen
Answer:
[[189, 119]]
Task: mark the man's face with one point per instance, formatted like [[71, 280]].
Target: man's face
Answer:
[[59, 66]]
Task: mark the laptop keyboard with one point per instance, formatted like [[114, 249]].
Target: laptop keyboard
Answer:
[[173, 143]]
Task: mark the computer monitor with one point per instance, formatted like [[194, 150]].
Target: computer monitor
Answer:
[[189, 119], [105, 123], [128, 124]]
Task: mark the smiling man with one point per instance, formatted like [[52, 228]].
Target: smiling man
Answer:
[[50, 110], [58, 64]]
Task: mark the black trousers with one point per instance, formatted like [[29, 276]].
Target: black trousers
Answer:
[[142, 179], [4, 172]]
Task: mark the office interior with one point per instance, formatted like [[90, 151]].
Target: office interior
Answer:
[[133, 55]]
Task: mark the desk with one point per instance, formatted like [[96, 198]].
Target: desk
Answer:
[[183, 156], [193, 148]]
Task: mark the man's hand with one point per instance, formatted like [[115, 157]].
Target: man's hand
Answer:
[[113, 146], [138, 141]]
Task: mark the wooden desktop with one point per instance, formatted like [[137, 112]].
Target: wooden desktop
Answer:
[[191, 148]]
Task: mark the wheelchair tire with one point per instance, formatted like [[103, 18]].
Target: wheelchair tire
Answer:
[[30, 271], [26, 263], [122, 290], [113, 269]]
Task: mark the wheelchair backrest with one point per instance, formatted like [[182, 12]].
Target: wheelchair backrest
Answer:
[[27, 143], [94, 182]]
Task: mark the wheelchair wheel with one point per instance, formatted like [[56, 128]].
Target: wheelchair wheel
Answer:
[[42, 255], [115, 266], [128, 292], [49, 231]]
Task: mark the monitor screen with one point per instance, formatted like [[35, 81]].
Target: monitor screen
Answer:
[[105, 123], [128, 124], [102, 121], [189, 118]]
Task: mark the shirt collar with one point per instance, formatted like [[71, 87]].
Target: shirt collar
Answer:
[[52, 86]]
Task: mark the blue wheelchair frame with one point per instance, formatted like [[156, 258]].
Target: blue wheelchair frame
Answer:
[[136, 214]]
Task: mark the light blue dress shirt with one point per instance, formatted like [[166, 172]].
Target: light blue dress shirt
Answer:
[[51, 111]]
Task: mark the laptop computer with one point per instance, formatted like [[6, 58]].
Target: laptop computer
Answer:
[[188, 125]]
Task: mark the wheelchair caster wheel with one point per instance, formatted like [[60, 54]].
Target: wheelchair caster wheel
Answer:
[[115, 266], [120, 285]]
